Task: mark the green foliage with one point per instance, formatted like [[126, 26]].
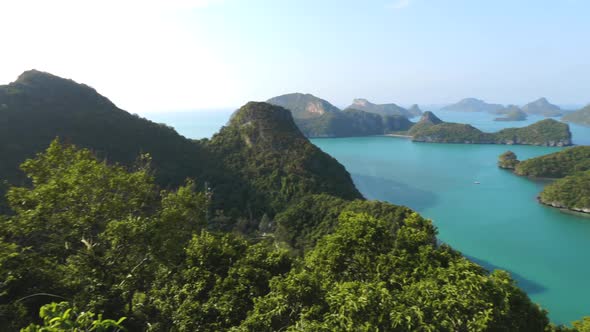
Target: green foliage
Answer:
[[90, 232], [558, 164], [367, 276], [572, 192], [546, 132], [216, 288], [59, 317], [508, 160], [582, 325]]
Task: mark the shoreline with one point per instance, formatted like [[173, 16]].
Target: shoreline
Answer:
[[564, 209], [397, 135]]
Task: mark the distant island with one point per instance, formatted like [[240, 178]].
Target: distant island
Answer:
[[547, 132], [542, 107], [384, 109], [571, 168], [581, 117], [316, 117], [511, 113], [473, 105]]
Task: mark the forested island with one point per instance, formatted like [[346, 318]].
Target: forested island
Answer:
[[511, 113], [570, 168], [316, 117], [122, 223], [546, 132], [581, 117], [540, 106]]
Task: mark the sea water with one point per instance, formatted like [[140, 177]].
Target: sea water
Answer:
[[496, 222]]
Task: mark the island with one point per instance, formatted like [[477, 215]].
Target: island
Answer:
[[542, 107], [508, 160], [472, 105], [316, 117], [362, 104], [511, 113], [581, 117], [546, 132], [571, 170]]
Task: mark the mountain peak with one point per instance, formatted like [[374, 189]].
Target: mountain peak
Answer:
[[264, 123], [429, 117], [361, 102], [303, 106], [543, 107]]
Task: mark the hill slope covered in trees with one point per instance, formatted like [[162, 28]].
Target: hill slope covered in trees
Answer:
[[571, 168]]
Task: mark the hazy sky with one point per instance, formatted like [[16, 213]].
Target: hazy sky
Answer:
[[150, 55]]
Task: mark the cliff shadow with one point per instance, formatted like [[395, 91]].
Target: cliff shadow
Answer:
[[373, 187], [529, 286]]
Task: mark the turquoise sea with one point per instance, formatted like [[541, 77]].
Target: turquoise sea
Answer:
[[497, 223]]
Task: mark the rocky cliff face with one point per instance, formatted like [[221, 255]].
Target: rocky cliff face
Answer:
[[303, 106], [430, 118]]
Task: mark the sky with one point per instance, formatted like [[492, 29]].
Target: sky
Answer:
[[169, 55]]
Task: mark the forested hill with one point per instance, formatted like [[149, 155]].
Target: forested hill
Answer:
[[39, 107], [571, 168], [263, 145]]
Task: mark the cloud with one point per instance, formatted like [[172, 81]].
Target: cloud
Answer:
[[399, 4]]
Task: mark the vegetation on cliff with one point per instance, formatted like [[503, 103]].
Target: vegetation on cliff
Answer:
[[571, 192], [508, 160], [571, 168], [558, 164]]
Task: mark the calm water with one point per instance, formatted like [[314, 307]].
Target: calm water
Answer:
[[497, 223]]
